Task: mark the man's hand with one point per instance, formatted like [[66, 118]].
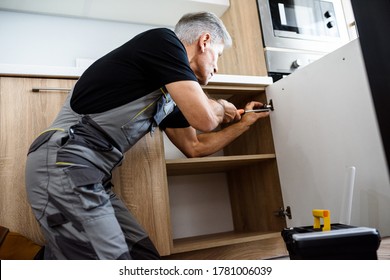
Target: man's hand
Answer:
[[230, 111], [252, 117]]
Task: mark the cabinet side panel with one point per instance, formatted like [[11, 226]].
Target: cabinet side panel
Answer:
[[255, 195], [141, 183], [255, 190], [258, 139]]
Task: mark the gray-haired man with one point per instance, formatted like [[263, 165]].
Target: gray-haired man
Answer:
[[152, 80]]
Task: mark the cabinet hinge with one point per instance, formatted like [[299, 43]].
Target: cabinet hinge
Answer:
[[284, 213]]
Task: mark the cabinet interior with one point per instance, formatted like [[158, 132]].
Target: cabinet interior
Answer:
[[252, 181]]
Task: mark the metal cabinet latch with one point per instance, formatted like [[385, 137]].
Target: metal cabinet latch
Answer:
[[284, 213]]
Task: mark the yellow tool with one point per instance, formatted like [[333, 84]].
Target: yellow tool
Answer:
[[318, 214]]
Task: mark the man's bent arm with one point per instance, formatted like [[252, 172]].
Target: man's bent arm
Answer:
[[201, 112], [198, 145]]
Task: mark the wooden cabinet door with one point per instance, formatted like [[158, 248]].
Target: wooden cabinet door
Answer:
[[324, 123], [23, 115]]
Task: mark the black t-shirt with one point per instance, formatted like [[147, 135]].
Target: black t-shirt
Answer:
[[144, 64], [175, 119]]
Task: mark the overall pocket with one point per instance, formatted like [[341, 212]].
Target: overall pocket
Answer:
[[135, 130], [140, 124], [86, 183], [87, 133], [148, 118], [40, 140]]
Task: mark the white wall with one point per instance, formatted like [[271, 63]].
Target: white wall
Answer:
[[199, 204], [32, 39]]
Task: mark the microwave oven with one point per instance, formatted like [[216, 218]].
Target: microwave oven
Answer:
[[297, 32]]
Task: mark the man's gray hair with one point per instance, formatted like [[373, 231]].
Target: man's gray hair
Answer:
[[191, 26]]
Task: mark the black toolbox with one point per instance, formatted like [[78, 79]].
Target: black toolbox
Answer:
[[342, 242]]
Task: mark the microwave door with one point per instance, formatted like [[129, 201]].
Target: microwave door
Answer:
[[304, 20]]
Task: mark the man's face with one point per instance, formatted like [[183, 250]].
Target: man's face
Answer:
[[206, 62]]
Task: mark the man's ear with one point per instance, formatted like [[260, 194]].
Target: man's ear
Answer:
[[204, 39]]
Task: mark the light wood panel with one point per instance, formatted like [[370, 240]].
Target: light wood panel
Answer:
[[384, 249], [254, 250], [246, 56], [218, 240], [259, 139], [141, 182], [213, 164], [23, 115], [255, 190], [255, 196]]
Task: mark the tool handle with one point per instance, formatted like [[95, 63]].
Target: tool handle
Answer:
[[242, 111]]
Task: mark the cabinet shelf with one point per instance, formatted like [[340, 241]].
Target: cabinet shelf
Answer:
[[220, 239], [222, 85], [190, 166]]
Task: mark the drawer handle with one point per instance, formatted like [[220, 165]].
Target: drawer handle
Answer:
[[37, 89]]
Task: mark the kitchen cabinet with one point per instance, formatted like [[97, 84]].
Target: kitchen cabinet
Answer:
[[246, 56], [248, 165], [254, 194], [23, 115]]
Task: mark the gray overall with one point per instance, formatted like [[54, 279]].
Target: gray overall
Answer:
[[68, 174]]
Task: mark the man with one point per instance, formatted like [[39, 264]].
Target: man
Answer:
[[152, 80]]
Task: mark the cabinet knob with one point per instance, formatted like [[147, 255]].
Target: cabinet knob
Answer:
[[330, 24], [328, 14], [296, 63]]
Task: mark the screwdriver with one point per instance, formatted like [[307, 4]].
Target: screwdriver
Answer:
[[265, 108], [257, 110]]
